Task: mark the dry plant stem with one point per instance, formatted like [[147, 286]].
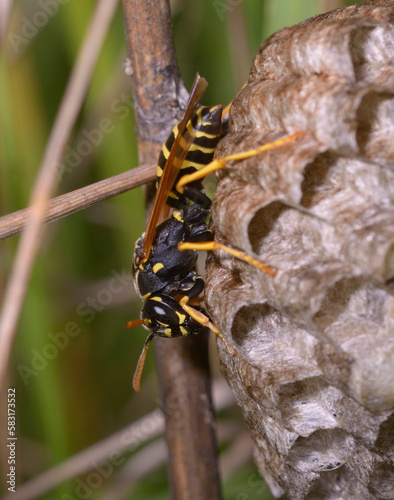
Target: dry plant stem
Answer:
[[5, 10], [158, 95], [156, 84], [79, 199], [46, 178]]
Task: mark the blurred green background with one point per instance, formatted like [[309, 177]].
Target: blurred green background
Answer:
[[76, 393]]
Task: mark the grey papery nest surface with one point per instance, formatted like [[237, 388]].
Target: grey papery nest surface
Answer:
[[314, 373]]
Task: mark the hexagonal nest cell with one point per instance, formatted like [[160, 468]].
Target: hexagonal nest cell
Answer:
[[314, 373]]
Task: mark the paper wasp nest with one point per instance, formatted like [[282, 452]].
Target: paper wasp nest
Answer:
[[315, 370]]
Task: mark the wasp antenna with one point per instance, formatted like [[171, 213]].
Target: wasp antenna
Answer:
[[141, 363], [135, 322]]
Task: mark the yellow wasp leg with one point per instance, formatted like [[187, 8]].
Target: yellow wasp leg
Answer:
[[219, 163], [204, 320], [195, 301], [216, 245]]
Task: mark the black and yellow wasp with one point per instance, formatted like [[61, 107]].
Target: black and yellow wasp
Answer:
[[164, 262]]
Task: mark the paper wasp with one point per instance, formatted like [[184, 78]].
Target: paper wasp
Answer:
[[164, 262]]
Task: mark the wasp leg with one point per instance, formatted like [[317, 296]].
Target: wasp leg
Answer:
[[216, 245], [193, 301], [196, 301], [204, 320], [219, 163], [195, 194], [140, 364]]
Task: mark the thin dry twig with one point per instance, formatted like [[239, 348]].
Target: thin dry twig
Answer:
[[79, 199], [5, 10], [65, 119]]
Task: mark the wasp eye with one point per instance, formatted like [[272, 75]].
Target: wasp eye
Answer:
[[160, 311]]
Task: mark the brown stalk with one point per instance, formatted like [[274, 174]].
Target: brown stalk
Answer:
[[5, 10], [79, 199], [182, 366]]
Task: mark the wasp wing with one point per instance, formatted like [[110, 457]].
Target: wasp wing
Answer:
[[177, 156]]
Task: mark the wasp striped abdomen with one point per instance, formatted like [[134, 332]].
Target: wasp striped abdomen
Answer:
[[206, 127]]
